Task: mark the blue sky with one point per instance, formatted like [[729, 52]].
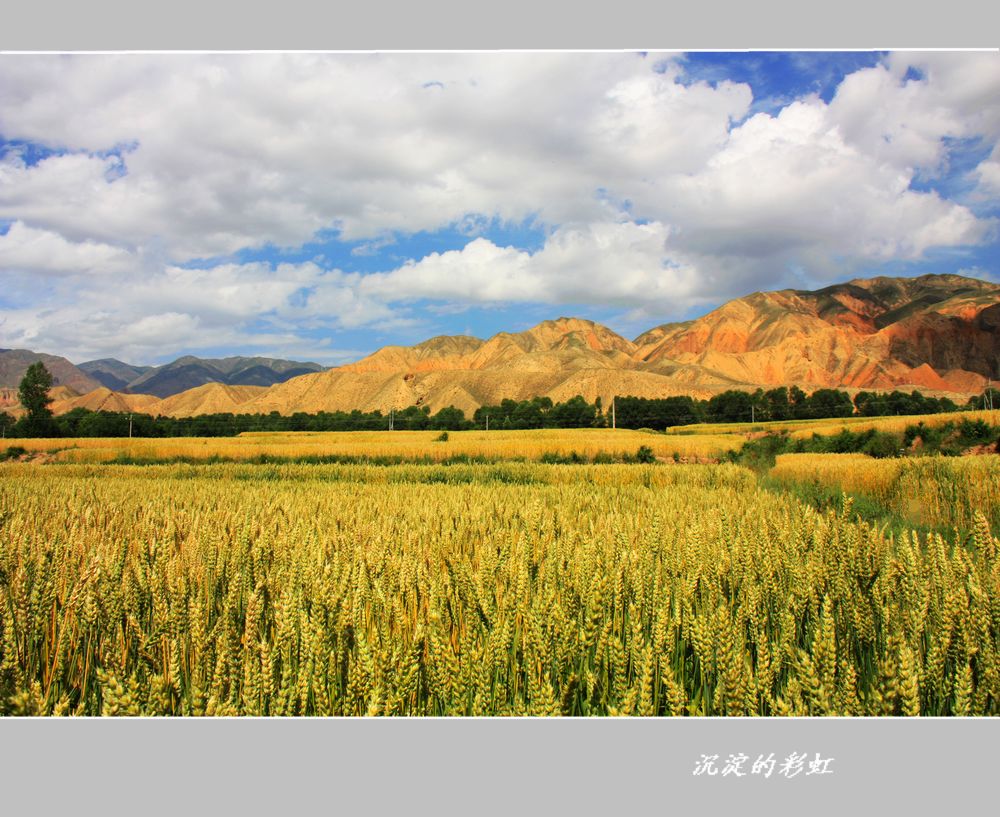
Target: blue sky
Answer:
[[779, 77], [319, 206]]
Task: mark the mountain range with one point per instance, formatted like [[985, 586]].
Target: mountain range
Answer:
[[936, 333], [160, 381], [190, 372]]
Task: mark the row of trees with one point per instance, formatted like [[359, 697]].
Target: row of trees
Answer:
[[82, 422], [735, 406], [540, 412]]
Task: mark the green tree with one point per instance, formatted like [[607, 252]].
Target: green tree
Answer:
[[990, 398], [867, 403], [34, 396], [527, 414], [447, 418], [798, 404], [777, 404], [830, 403], [732, 406], [574, 413]]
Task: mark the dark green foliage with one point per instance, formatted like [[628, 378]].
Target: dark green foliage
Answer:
[[975, 432], [643, 412], [34, 396], [539, 412], [84, 423], [777, 405], [871, 404], [729, 407], [797, 401], [881, 444], [574, 413], [34, 389], [449, 418], [760, 454], [828, 403], [923, 437], [554, 458], [990, 398], [645, 454]]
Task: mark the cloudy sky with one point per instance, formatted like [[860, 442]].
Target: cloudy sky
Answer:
[[318, 206]]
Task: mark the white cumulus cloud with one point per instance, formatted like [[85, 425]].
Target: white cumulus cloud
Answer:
[[654, 192]]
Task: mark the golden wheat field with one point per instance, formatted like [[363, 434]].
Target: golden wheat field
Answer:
[[806, 428], [477, 589], [401, 445], [936, 491]]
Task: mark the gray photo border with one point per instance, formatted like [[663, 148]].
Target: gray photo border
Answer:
[[471, 767], [61, 25]]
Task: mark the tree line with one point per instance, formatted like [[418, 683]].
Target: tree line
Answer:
[[539, 412]]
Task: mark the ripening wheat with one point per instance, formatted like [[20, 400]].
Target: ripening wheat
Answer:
[[517, 589]]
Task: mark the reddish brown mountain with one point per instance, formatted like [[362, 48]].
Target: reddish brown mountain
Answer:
[[558, 358], [936, 333], [939, 332]]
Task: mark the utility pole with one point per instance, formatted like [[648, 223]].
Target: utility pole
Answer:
[[487, 422], [613, 423], [130, 426], [391, 418], [752, 415]]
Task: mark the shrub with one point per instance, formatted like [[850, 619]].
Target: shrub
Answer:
[[974, 432], [645, 454], [881, 445]]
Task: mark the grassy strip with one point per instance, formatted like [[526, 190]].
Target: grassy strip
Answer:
[[824, 498], [643, 455], [949, 439]]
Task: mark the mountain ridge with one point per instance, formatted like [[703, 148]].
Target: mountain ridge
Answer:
[[188, 372], [15, 362], [938, 333]]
